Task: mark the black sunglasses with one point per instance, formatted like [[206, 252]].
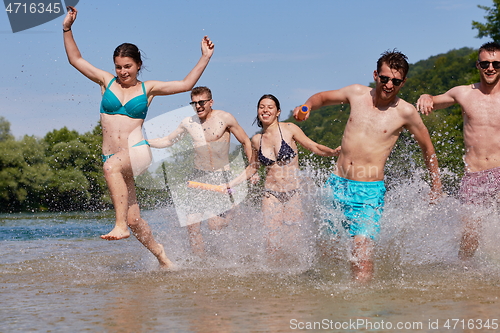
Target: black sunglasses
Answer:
[[385, 79], [486, 64], [202, 103]]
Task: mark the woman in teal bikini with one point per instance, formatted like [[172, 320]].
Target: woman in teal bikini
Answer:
[[124, 106], [276, 149]]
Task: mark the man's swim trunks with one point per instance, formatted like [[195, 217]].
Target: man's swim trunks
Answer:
[[203, 201], [361, 203], [480, 188]]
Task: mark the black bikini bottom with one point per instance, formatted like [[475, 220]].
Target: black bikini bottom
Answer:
[[283, 197]]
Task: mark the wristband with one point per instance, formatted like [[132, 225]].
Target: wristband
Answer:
[[67, 30]]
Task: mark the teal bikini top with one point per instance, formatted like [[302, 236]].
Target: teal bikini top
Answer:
[[136, 108]]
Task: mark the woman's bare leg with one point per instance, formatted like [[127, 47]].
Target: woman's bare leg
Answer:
[[282, 221], [141, 228], [115, 171], [119, 167], [271, 212]]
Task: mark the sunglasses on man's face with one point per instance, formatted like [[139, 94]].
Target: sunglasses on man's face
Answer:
[[384, 79], [486, 64], [202, 103]]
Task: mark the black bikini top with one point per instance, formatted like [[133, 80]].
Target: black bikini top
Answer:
[[285, 154]]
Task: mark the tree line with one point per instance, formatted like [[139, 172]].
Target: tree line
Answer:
[[63, 170], [59, 172]]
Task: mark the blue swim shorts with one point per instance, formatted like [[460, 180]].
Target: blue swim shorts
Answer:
[[361, 204]]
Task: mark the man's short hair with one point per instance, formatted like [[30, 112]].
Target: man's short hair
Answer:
[[395, 60], [201, 90], [489, 47]]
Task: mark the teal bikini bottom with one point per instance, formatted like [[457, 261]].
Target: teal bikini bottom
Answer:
[[140, 143]]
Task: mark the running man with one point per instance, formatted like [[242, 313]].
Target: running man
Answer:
[[377, 118], [210, 131], [480, 104]]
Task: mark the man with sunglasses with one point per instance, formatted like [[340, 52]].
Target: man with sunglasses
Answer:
[[377, 117], [210, 131], [480, 102]]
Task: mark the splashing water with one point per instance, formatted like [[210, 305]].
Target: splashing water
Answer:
[[57, 275], [66, 279]]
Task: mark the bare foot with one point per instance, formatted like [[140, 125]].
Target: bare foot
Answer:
[[116, 234], [165, 263]]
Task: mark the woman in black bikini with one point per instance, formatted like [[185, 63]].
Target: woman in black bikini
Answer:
[[276, 149]]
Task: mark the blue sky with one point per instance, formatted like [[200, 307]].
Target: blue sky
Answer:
[[291, 49]]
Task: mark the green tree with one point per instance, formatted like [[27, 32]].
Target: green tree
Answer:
[[77, 182], [492, 26], [68, 190], [92, 169], [5, 130], [24, 175], [11, 164], [36, 173], [62, 171], [58, 136]]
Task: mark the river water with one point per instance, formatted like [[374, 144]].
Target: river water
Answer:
[[57, 275]]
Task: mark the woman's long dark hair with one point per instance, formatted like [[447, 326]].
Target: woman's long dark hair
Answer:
[[271, 97]]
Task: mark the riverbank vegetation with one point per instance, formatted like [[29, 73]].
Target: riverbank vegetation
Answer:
[[63, 170]]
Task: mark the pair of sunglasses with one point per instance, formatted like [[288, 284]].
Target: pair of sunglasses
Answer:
[[202, 103], [486, 64], [385, 79]]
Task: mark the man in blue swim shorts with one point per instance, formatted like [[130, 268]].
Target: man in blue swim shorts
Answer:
[[377, 117]]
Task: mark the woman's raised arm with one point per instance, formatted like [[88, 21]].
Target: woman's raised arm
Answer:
[[75, 57]]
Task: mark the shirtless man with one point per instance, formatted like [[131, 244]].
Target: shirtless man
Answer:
[[480, 104], [377, 118], [210, 131]]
